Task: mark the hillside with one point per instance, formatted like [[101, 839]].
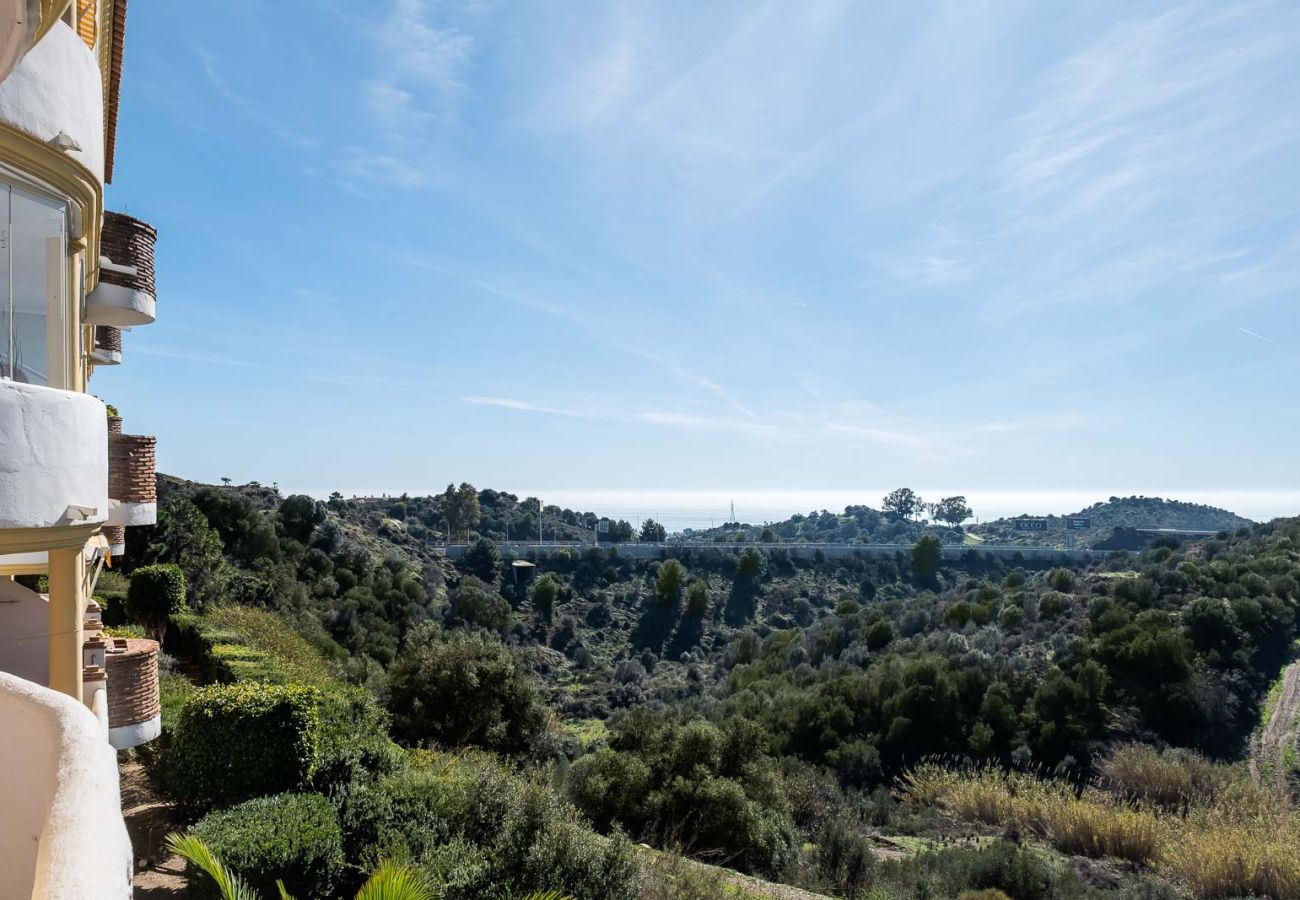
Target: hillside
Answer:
[[856, 525], [1111, 523], [770, 713]]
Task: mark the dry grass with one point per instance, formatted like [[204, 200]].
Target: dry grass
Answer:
[[1093, 824], [1219, 858], [1172, 780], [1228, 839]]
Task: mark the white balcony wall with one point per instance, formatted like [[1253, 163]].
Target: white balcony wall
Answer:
[[24, 622], [61, 836], [53, 457], [57, 89]]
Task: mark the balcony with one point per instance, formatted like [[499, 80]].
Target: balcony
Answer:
[[125, 294], [62, 833], [56, 89], [134, 707], [53, 458], [132, 482], [108, 346]]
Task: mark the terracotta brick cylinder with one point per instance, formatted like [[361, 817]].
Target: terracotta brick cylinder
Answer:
[[132, 682], [108, 337], [115, 535], [128, 242], [131, 468]]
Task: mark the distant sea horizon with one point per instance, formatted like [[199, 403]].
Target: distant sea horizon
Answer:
[[681, 509]]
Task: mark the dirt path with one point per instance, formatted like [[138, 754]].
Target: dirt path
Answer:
[[149, 819], [1271, 741]]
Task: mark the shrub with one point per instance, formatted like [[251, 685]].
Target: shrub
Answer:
[[668, 583], [460, 689], [999, 870], [156, 594], [235, 742], [476, 603], [1053, 604], [545, 591], [292, 837], [480, 829], [697, 598], [1173, 779]]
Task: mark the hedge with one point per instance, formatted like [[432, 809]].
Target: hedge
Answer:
[[155, 594], [293, 837], [238, 741]]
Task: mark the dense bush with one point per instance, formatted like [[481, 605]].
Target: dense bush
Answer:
[[289, 837], [711, 789], [235, 742], [458, 689], [155, 595], [483, 830]]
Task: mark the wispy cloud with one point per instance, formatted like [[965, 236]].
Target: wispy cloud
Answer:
[[1256, 334], [883, 436], [276, 125], [525, 406]]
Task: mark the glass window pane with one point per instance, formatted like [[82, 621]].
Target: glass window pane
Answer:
[[6, 312], [39, 332]]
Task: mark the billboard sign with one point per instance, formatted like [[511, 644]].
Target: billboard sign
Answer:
[[1078, 523], [602, 527], [1029, 524]]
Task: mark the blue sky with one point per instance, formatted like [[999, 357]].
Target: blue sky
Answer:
[[641, 246]]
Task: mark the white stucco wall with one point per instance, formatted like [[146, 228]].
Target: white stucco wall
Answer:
[[132, 514], [56, 88], [24, 624], [112, 304], [61, 836], [53, 454]]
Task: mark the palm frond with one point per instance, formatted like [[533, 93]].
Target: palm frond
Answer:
[[394, 882], [547, 895], [194, 851], [284, 894]]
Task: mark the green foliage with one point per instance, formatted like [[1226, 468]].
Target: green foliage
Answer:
[[902, 503], [292, 838], [953, 510], [697, 598], [668, 583], [481, 829], [879, 635], [1061, 580], [926, 554], [711, 788], [184, 537], [652, 532], [482, 560], [750, 564], [475, 603], [460, 508], [545, 591], [299, 515], [201, 859], [235, 742], [156, 594], [457, 689]]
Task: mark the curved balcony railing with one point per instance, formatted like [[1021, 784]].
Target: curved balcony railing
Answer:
[[134, 707], [132, 480], [53, 457], [62, 829], [108, 346], [125, 294]]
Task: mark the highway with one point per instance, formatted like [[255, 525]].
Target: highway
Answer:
[[636, 550]]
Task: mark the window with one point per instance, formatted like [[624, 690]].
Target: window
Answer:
[[34, 331]]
